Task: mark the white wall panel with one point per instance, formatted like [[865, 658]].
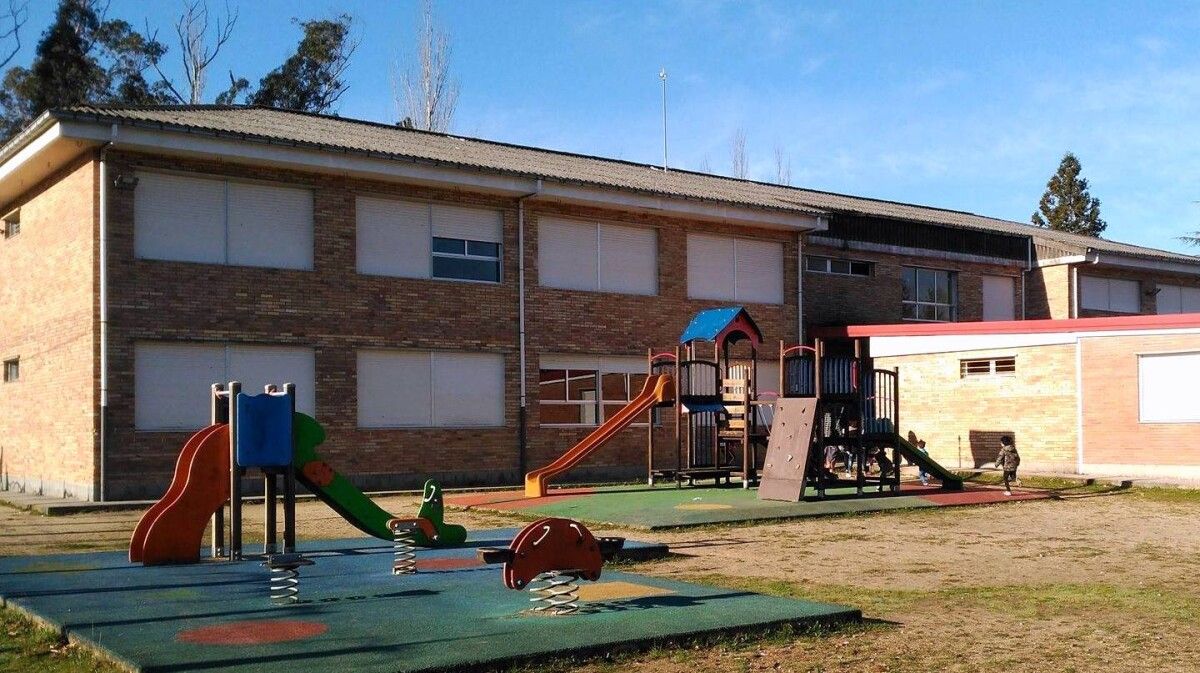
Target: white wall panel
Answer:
[[1162, 398], [172, 382], [256, 366], [270, 226], [470, 224], [999, 298], [628, 259], [393, 238], [394, 389], [567, 255], [179, 218], [710, 267], [759, 271], [468, 389]]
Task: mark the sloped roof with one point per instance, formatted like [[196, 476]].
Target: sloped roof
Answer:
[[339, 134], [730, 323]]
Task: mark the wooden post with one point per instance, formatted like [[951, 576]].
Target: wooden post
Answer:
[[235, 478], [217, 414], [289, 483]]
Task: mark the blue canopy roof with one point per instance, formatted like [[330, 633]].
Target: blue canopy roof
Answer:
[[731, 323]]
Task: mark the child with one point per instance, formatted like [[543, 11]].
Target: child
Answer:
[[1008, 460], [921, 470]]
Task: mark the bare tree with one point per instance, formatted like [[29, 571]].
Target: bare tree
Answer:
[[427, 94], [738, 165], [783, 166], [705, 165], [197, 54], [11, 22]]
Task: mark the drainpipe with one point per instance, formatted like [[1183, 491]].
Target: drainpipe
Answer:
[[522, 437], [103, 281], [1095, 259]]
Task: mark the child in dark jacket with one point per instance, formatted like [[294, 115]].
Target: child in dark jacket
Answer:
[[1008, 460]]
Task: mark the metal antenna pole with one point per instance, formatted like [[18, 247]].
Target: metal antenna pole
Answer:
[[662, 75]]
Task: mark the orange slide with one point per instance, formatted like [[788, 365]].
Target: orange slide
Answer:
[[658, 388], [173, 529]]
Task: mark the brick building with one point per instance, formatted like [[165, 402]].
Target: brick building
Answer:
[[1096, 395], [447, 306]]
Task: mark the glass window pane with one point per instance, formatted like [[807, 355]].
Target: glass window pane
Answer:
[[909, 281], [943, 287], [483, 249], [581, 385], [911, 311], [466, 269], [860, 268], [636, 383], [453, 246], [611, 410], [816, 263], [928, 312], [613, 388], [839, 266], [926, 280], [943, 313], [561, 413], [552, 385]]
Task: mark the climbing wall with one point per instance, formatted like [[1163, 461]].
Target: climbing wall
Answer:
[[788, 450]]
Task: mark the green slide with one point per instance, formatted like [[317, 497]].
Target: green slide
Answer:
[[353, 505], [950, 481]]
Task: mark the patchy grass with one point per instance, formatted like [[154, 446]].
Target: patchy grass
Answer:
[[28, 647]]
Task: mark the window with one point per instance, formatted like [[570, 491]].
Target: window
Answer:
[[422, 240], [1110, 294], [172, 380], [999, 298], [1161, 397], [1176, 299], [12, 370], [592, 256], [987, 367], [215, 221], [841, 267], [12, 224], [734, 269], [929, 295], [575, 390], [427, 389]]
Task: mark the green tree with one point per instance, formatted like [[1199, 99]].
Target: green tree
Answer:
[[311, 79], [81, 58], [1067, 205]]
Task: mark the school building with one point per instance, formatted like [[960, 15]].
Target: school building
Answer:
[[447, 306], [1106, 396]]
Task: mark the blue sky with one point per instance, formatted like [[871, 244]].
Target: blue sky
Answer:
[[965, 105]]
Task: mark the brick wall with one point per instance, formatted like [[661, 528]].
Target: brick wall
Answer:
[[336, 311], [962, 419], [1048, 293], [831, 299], [1115, 440], [47, 300]]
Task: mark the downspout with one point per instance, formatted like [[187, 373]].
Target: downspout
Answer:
[[103, 281], [1095, 259], [522, 414]]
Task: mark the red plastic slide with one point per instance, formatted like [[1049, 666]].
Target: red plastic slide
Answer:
[[172, 530], [658, 388]]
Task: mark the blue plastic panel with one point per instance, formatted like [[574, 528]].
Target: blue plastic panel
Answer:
[[264, 430]]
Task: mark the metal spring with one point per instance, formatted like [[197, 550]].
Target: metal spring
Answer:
[[285, 585], [555, 593], [404, 561]]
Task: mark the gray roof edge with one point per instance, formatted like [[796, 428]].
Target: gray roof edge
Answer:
[[84, 116]]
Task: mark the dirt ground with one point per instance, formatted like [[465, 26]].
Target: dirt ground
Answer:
[[1088, 583]]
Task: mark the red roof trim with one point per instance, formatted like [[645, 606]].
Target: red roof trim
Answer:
[[1121, 323]]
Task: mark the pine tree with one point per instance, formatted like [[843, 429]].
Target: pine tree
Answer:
[[1067, 205], [81, 58]]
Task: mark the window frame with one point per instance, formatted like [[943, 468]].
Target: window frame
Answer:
[[12, 224], [951, 306], [828, 270], [465, 255], [12, 370], [597, 404], [994, 367]]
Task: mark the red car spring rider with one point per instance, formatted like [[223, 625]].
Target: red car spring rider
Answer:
[[548, 557]]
